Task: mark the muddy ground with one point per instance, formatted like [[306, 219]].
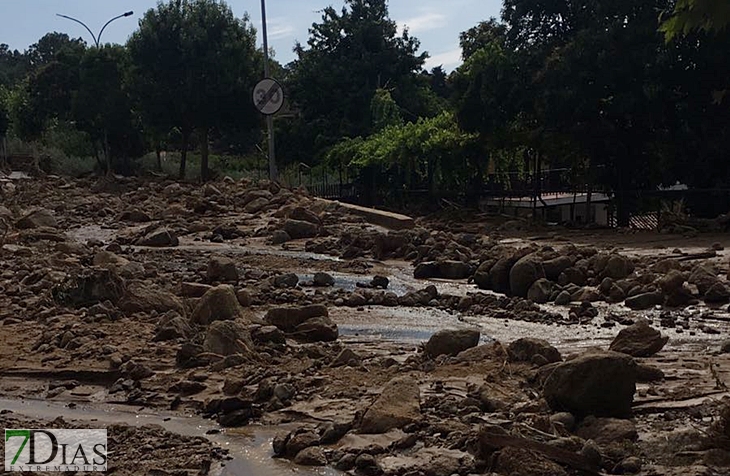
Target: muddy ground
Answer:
[[232, 309]]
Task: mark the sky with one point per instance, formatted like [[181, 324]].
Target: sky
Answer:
[[436, 23]]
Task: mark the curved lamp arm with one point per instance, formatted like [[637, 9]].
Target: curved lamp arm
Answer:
[[126, 14], [96, 42]]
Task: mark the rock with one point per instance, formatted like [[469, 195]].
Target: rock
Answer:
[[644, 301], [317, 329], [648, 373], [554, 267], [630, 465], [481, 275], [194, 290], [141, 297], [524, 273], [594, 383], [300, 441], [379, 282], [717, 294], [300, 229], [134, 215], [618, 267], [526, 348], [704, 278], [256, 205], [564, 418], [563, 299], [135, 371], [540, 291], [443, 270], [725, 347], [346, 357], [303, 214], [244, 298], [572, 275], [666, 265], [523, 462], [160, 238], [219, 303], [616, 294], [639, 340], [227, 338], [109, 260], [312, 456], [279, 236], [172, 326], [288, 318], [266, 334], [607, 430], [221, 269], [323, 279], [356, 300], [451, 342], [37, 219], [288, 280], [397, 406], [91, 286], [499, 275], [672, 282]]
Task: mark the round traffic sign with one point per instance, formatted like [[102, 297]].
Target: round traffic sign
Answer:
[[268, 96]]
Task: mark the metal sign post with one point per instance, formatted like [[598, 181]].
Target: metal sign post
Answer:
[[273, 175]]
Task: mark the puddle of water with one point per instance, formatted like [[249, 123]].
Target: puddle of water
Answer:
[[250, 448]]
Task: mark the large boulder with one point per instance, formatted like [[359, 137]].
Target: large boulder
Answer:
[[172, 326], [607, 430], [644, 301], [221, 269], [717, 294], [217, 304], [594, 383], [526, 348], [159, 238], [639, 340], [618, 267], [37, 219], [317, 329], [443, 270], [481, 275], [227, 338], [134, 215], [304, 214], [704, 278], [524, 273], [141, 297], [451, 342], [554, 267], [289, 318], [499, 274], [300, 229], [672, 282], [397, 406]]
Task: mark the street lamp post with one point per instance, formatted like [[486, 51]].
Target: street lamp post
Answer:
[[96, 38]]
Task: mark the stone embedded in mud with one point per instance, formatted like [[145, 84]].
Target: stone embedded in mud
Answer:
[[397, 406], [448, 269], [287, 280], [524, 273], [572, 275], [298, 441], [172, 326], [227, 338], [346, 357], [279, 236], [481, 275], [222, 269], [109, 260], [303, 214], [244, 297], [312, 456], [219, 303], [268, 334], [256, 205], [672, 282], [648, 373], [643, 301], [380, 282], [594, 383], [142, 297], [159, 238], [717, 294], [37, 219], [356, 300], [451, 342], [553, 267], [300, 229], [618, 267], [499, 274], [92, 286], [526, 348], [563, 299], [607, 430], [288, 318], [135, 371], [317, 329], [639, 340], [704, 278]]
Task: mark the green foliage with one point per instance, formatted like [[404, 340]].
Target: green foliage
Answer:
[[194, 65], [384, 110], [711, 16], [13, 66], [4, 111]]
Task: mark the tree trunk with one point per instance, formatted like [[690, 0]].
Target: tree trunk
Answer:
[[158, 153], [204, 172], [184, 154], [107, 154]]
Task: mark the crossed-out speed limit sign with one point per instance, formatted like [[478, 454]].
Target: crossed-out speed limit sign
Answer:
[[268, 96]]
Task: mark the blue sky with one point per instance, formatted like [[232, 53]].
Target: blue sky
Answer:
[[435, 22]]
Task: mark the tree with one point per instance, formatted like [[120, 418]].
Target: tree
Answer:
[[349, 55], [53, 47], [194, 65], [711, 16], [13, 66]]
